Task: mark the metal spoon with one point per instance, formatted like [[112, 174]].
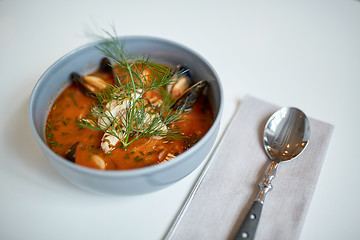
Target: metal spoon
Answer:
[[286, 135]]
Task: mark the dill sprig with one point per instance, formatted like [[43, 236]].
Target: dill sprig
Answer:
[[140, 118]]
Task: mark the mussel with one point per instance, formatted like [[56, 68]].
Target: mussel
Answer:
[[182, 80], [89, 85], [70, 153], [189, 97], [105, 66]]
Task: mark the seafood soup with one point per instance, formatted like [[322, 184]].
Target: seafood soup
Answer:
[[128, 114]]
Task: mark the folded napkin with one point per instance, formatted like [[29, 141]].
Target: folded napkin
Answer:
[[228, 185]]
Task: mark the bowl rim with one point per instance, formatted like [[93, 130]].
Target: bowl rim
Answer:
[[126, 172]]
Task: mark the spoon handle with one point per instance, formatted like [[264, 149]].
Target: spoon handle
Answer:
[[250, 223], [248, 227]]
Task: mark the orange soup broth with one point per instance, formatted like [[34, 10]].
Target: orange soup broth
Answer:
[[72, 105]]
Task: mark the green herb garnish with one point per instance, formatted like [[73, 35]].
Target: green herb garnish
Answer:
[[72, 98], [138, 159], [139, 119]]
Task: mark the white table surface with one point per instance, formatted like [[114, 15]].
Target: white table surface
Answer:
[[300, 53]]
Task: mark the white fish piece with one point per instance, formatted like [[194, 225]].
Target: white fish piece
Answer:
[[150, 117], [114, 108], [109, 141], [118, 111]]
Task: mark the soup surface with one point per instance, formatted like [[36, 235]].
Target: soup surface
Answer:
[[72, 105]]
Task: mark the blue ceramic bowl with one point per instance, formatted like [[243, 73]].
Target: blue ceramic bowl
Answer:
[[85, 60]]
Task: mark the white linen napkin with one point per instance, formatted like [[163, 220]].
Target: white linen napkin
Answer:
[[228, 185]]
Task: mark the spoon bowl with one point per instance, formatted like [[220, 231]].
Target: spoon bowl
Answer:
[[286, 134]]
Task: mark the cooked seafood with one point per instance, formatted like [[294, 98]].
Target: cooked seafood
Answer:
[[109, 141], [189, 97], [89, 85], [105, 66], [115, 131], [182, 80], [70, 153], [115, 108], [98, 161]]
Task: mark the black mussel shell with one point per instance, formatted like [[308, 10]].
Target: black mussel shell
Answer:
[[79, 82], [70, 153], [188, 99], [105, 66], [184, 70]]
